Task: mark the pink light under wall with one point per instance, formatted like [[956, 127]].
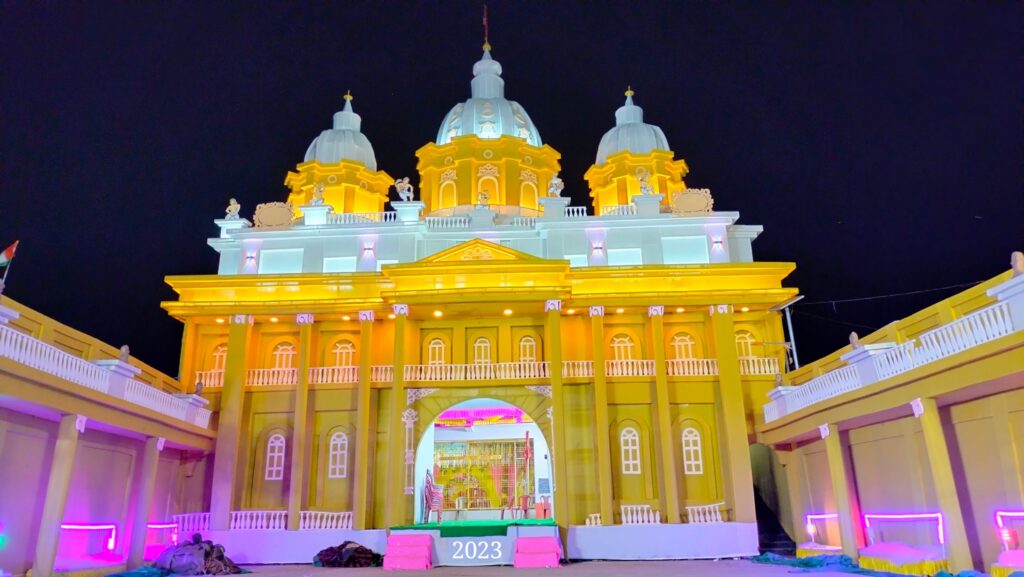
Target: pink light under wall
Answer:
[[941, 530]]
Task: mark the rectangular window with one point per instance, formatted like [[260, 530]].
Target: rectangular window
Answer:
[[280, 261]]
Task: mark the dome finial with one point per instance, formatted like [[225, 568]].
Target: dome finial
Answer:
[[348, 96], [487, 43], [629, 90]]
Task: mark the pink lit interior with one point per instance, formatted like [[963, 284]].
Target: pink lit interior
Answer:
[[910, 517], [1007, 514]]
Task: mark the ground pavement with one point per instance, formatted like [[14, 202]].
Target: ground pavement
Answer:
[[725, 568]]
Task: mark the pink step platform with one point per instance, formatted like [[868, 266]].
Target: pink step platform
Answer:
[[409, 552], [537, 552]]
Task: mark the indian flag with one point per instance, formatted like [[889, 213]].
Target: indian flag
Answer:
[[8, 254]]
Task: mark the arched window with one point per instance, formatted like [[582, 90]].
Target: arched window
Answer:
[[220, 354], [622, 348], [682, 346], [744, 344], [528, 195], [489, 186], [482, 351], [527, 350], [629, 445], [693, 458], [344, 353], [436, 352], [337, 456], [448, 195], [284, 356], [274, 468]]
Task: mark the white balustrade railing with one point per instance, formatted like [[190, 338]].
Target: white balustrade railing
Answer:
[[759, 366], [831, 384], [640, 515], [575, 212], [705, 514], [211, 378], [152, 398], [692, 367], [447, 222], [325, 520], [577, 369], [772, 411], [594, 520], [189, 523], [269, 377], [629, 368], [259, 519], [362, 217], [619, 210], [979, 327], [47, 358], [523, 221], [202, 418], [895, 360], [382, 374], [327, 375], [478, 372]]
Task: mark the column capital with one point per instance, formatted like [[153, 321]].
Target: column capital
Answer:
[[597, 311], [241, 319], [917, 405], [720, 310], [160, 442], [400, 310], [80, 422], [656, 311], [304, 319], [824, 430], [366, 316], [552, 305]]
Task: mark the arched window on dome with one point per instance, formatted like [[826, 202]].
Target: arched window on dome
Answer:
[[744, 344], [622, 347], [344, 353], [448, 196], [693, 457], [489, 186], [629, 445], [482, 351], [436, 352], [274, 468], [528, 195], [219, 355], [284, 355], [337, 456], [682, 346], [527, 350]]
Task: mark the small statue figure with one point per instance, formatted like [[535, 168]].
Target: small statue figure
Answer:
[[644, 175], [199, 388], [318, 194], [404, 189], [125, 354], [481, 198], [1016, 264], [556, 186], [231, 213], [855, 341], [778, 380]]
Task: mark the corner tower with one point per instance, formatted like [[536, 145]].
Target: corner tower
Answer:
[[486, 147], [625, 152], [342, 159]]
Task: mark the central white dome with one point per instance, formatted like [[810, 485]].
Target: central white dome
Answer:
[[488, 114]]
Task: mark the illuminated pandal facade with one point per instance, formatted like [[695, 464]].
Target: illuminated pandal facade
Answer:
[[639, 334]]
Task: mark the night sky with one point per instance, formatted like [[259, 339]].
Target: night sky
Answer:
[[880, 144]]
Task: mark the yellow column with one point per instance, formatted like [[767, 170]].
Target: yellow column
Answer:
[[187, 357], [57, 493], [396, 468], [604, 456], [553, 354], [840, 473], [229, 424], [739, 480], [144, 499], [361, 497], [663, 418], [298, 483], [945, 487]]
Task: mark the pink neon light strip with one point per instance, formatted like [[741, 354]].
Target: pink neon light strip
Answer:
[[1001, 514], [819, 517], [94, 527], [910, 517], [173, 526]]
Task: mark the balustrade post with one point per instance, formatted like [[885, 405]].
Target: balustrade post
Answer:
[[301, 446], [863, 357]]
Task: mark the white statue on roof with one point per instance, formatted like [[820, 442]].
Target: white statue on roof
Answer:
[[1017, 263], [318, 194], [231, 212], [405, 190], [644, 176], [555, 186]]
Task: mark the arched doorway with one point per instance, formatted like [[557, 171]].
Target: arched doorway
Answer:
[[486, 454]]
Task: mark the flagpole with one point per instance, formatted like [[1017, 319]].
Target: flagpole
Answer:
[[7, 269]]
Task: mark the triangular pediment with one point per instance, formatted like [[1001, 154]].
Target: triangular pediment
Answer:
[[478, 250]]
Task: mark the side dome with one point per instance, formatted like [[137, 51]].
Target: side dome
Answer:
[[344, 141], [487, 114], [630, 133]]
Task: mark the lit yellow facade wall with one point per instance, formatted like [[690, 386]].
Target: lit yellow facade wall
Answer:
[[615, 182], [349, 187]]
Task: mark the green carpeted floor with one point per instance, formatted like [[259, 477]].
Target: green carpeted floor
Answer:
[[482, 528]]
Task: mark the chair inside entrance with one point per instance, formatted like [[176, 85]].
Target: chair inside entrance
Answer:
[[433, 498]]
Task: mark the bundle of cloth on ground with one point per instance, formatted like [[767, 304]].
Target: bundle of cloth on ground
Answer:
[[348, 554], [196, 557], [841, 564]]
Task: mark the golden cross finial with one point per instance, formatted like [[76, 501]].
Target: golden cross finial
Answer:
[[629, 90], [348, 95]]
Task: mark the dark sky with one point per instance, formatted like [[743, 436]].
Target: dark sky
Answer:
[[879, 143]]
